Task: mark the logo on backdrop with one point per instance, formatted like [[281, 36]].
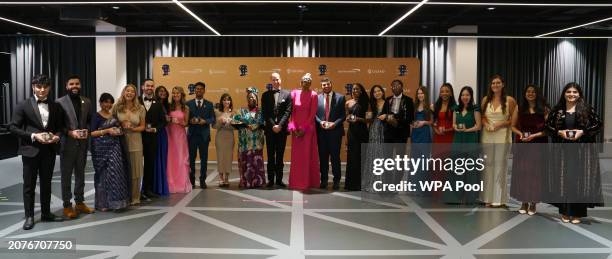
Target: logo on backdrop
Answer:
[[243, 70], [166, 69], [191, 89], [402, 70], [322, 69]]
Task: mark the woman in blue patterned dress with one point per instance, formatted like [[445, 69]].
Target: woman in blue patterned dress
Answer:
[[110, 159]]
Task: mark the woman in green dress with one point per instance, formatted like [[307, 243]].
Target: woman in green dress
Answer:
[[466, 123]]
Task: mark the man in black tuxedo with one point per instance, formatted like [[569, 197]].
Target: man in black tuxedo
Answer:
[[330, 116], [398, 114], [37, 122], [155, 119], [276, 106]]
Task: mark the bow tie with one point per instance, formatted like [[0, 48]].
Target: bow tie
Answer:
[[45, 101], [275, 90], [149, 99]]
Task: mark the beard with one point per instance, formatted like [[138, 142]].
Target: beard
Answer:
[[74, 92]]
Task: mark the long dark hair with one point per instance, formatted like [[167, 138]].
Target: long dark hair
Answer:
[[541, 107], [490, 93], [451, 102], [164, 102], [417, 102], [583, 109], [373, 106], [226, 95], [363, 97], [471, 104]]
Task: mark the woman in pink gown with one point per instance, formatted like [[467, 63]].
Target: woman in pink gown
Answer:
[[304, 171], [178, 151]]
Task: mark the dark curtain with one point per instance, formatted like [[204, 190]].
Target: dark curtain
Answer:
[[547, 63], [56, 57]]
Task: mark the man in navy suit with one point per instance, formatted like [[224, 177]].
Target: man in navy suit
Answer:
[[201, 116], [330, 116], [37, 122]]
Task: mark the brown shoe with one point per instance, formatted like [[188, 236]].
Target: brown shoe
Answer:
[[81, 207], [70, 213]]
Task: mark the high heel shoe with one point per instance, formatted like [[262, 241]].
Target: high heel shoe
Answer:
[[523, 208], [532, 209], [565, 219]]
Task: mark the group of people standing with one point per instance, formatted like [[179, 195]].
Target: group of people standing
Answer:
[[141, 150], [572, 176]]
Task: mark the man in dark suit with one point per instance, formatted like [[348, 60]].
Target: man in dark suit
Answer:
[[155, 119], [201, 116], [398, 114], [77, 114], [330, 116], [37, 122], [276, 106]]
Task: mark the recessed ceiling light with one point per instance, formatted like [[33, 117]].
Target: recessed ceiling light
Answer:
[[571, 33], [116, 7], [491, 8]]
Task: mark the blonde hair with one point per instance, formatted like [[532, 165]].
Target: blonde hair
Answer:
[[121, 104], [182, 101]]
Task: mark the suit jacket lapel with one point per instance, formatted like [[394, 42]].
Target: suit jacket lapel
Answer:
[[36, 111], [84, 112], [66, 103]]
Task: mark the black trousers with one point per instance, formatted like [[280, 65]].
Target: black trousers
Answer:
[[33, 167], [329, 147], [275, 145], [149, 151]]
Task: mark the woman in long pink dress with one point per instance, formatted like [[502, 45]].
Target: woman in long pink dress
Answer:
[[304, 171], [178, 150]]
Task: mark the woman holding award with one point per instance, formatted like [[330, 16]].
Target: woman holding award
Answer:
[[131, 115], [250, 142], [497, 109], [178, 150], [109, 158], [575, 182], [224, 140], [527, 160], [357, 134]]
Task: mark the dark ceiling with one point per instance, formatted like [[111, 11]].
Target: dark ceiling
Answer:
[[432, 18]]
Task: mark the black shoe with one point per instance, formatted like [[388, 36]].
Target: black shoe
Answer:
[[29, 223], [270, 185], [281, 185], [152, 195], [323, 186], [51, 218], [336, 186], [203, 185], [144, 198]]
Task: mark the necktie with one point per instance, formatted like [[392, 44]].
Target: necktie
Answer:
[[326, 107], [199, 104]]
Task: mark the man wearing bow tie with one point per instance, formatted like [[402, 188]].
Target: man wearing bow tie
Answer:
[[201, 116], [37, 123], [276, 108], [155, 119]]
